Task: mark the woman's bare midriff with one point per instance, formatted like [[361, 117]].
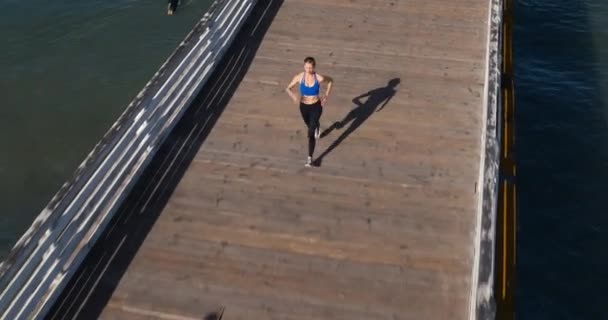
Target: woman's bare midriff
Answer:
[[309, 99]]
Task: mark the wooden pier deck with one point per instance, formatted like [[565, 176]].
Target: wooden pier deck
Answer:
[[227, 217]]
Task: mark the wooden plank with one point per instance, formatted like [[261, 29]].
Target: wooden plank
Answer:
[[247, 278]]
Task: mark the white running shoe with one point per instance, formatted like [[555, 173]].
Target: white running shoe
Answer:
[[308, 162], [317, 133]]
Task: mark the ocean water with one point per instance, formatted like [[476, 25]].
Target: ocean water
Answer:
[[561, 88], [68, 68]]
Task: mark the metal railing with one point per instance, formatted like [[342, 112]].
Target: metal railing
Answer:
[[482, 299]]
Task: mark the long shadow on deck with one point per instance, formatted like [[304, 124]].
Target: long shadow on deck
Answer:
[[376, 101], [93, 284]]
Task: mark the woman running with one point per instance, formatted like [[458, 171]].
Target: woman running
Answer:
[[311, 104]]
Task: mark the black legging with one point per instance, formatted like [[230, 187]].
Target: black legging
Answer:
[[311, 113]]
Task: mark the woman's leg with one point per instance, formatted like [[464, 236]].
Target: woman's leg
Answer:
[[308, 117], [313, 125], [317, 112], [305, 112]]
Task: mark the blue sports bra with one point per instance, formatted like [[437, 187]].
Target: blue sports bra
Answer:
[[309, 91]]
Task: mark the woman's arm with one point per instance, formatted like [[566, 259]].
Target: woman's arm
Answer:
[[293, 83], [329, 81]]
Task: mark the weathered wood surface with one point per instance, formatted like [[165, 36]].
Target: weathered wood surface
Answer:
[[383, 229]]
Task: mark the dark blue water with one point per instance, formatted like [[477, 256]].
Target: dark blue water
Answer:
[[561, 77]]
